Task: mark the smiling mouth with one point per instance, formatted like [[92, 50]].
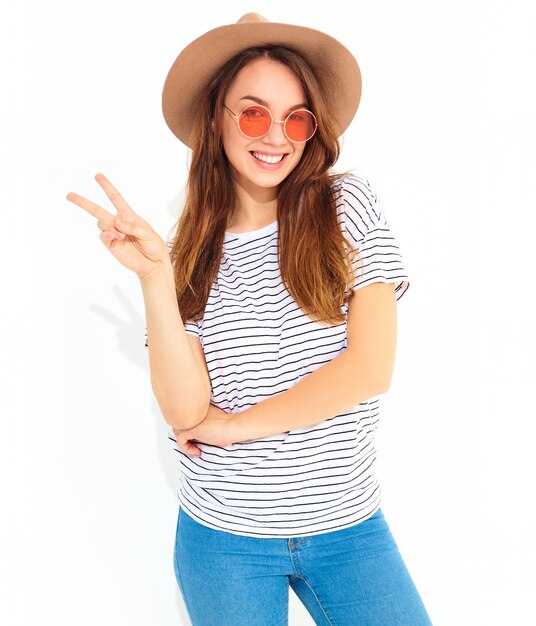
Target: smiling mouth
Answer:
[[271, 159]]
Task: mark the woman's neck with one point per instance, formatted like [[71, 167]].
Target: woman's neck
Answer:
[[256, 208]]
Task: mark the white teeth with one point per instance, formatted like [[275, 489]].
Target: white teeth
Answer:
[[266, 158]]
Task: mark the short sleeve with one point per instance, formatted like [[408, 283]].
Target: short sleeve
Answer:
[[191, 327], [367, 228]]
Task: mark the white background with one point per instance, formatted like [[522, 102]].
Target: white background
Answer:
[[446, 132]]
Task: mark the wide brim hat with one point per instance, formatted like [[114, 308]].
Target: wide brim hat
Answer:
[[333, 64]]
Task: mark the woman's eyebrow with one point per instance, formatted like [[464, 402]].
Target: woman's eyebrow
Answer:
[[265, 104]]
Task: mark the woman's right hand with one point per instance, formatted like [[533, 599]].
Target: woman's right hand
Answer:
[[126, 235]]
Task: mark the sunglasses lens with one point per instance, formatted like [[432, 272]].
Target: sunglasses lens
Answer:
[[300, 125], [255, 121]]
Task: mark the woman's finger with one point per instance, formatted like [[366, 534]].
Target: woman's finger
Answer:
[[107, 237], [117, 199], [191, 448], [107, 224], [187, 446], [91, 207]]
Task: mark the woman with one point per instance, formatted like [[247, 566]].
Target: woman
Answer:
[[271, 328]]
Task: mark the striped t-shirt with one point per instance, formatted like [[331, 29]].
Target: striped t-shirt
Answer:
[[257, 342]]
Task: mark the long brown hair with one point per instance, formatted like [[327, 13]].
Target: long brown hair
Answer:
[[313, 254]]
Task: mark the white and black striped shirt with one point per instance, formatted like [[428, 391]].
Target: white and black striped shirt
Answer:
[[257, 343]]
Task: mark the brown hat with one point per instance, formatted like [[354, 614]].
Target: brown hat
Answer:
[[333, 64]]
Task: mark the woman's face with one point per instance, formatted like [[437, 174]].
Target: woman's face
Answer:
[[267, 82]]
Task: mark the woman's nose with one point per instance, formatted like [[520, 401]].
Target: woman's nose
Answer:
[[276, 134]]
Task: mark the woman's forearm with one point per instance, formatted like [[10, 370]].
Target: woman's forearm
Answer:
[[179, 383], [333, 388]]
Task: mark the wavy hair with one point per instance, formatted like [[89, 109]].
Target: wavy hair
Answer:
[[313, 253]]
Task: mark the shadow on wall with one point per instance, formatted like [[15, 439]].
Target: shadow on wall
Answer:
[[130, 340], [130, 334]]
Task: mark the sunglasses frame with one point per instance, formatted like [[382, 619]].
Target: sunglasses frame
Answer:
[[284, 122]]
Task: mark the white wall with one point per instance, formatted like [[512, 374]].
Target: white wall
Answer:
[[446, 131]]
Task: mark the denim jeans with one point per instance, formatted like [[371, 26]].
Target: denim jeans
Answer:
[[349, 577]]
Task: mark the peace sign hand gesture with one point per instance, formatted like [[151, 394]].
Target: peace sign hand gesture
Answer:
[[126, 235]]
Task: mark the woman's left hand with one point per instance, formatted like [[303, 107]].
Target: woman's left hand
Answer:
[[214, 429]]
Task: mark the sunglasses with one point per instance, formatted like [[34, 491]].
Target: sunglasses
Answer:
[[255, 121]]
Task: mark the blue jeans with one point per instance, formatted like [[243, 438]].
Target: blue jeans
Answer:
[[349, 577]]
